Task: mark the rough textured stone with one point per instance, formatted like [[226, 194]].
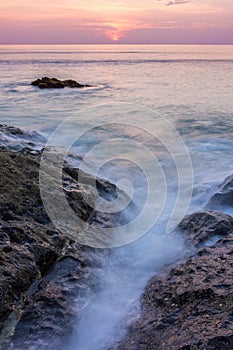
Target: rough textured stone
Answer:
[[201, 226], [43, 273], [224, 195], [190, 306], [54, 83]]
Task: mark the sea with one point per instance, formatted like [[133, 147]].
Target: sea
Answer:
[[157, 121]]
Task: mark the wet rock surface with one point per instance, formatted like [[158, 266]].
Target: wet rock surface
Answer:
[[190, 306], [43, 273], [54, 83], [204, 225], [53, 303], [16, 139], [224, 195]]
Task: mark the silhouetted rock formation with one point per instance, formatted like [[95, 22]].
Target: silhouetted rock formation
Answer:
[[54, 83]]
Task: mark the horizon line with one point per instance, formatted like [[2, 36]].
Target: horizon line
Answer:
[[118, 43]]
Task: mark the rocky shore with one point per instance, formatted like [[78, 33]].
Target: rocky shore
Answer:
[[45, 275], [190, 306]]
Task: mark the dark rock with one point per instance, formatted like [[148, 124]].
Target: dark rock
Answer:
[[19, 189], [43, 273], [73, 84], [201, 226], [26, 252], [55, 302], [12, 138], [190, 307], [54, 83], [48, 83], [7, 129], [224, 195]]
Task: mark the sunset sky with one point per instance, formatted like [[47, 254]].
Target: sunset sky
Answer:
[[120, 21]]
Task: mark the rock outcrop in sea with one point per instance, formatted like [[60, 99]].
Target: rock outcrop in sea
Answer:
[[54, 83]]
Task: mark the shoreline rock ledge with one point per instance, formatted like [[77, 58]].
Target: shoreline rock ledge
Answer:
[[54, 83], [45, 275], [190, 306]]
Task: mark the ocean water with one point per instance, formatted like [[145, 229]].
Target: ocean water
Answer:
[[157, 116]]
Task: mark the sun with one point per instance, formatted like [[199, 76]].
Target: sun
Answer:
[[114, 35], [117, 29]]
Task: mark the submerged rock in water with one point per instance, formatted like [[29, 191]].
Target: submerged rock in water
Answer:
[[54, 83], [190, 307]]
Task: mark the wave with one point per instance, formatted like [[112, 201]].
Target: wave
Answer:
[[15, 139]]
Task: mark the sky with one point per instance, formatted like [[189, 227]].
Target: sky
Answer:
[[116, 21]]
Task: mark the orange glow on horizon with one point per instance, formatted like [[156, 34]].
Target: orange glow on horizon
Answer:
[[118, 27], [114, 35], [127, 21]]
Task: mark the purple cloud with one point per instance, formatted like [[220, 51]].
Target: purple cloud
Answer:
[[177, 2]]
